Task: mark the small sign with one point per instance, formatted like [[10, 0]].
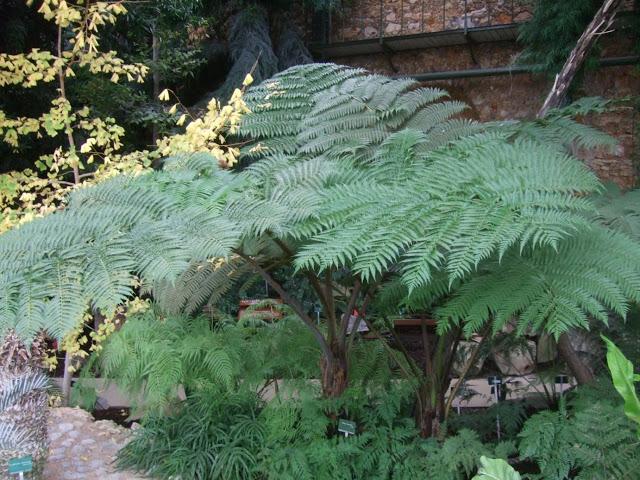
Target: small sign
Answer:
[[20, 465], [494, 380], [347, 427], [355, 320], [562, 379]]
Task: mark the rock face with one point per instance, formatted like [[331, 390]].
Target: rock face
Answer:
[[81, 448], [521, 361]]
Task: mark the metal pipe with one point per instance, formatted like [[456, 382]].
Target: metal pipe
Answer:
[[508, 70]]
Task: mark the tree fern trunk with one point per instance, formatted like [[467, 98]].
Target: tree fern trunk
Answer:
[[290, 48], [578, 367], [425, 413], [335, 377]]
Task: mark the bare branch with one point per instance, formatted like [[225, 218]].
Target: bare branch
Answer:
[[600, 24]]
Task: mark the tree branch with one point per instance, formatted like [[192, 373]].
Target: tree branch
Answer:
[[331, 309], [313, 280], [292, 302]]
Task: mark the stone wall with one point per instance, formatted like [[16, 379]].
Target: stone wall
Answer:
[[362, 19], [520, 96]]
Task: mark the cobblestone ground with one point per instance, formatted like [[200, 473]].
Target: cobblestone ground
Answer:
[[83, 449]]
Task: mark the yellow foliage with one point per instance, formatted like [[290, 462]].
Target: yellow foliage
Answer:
[[29, 194], [207, 134]]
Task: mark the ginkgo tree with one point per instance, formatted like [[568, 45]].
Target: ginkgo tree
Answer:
[[88, 151], [89, 146]]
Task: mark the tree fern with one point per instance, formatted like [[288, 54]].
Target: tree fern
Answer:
[[92, 252], [342, 185], [550, 289]]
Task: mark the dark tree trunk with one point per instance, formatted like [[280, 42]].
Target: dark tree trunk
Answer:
[[600, 24], [425, 420], [290, 48], [426, 413], [250, 50], [578, 367], [155, 58]]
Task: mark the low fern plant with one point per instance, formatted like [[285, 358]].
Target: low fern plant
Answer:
[[588, 438], [154, 356], [229, 436]]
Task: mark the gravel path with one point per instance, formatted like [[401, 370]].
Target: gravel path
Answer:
[[83, 449]]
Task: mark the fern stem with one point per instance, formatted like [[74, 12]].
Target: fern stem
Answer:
[[463, 374], [293, 303], [313, 280], [331, 309]]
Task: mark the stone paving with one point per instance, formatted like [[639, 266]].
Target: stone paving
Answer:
[[83, 449]]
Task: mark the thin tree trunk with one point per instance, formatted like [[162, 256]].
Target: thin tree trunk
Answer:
[[600, 24], [66, 379], [579, 368], [68, 358], [155, 58]]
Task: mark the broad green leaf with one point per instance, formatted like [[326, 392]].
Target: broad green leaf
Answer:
[[495, 469], [623, 377]]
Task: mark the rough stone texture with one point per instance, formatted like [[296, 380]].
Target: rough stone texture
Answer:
[[520, 96], [81, 448], [361, 19], [367, 18]]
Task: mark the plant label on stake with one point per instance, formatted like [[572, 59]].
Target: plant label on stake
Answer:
[[495, 383], [561, 380], [19, 466], [347, 427]]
